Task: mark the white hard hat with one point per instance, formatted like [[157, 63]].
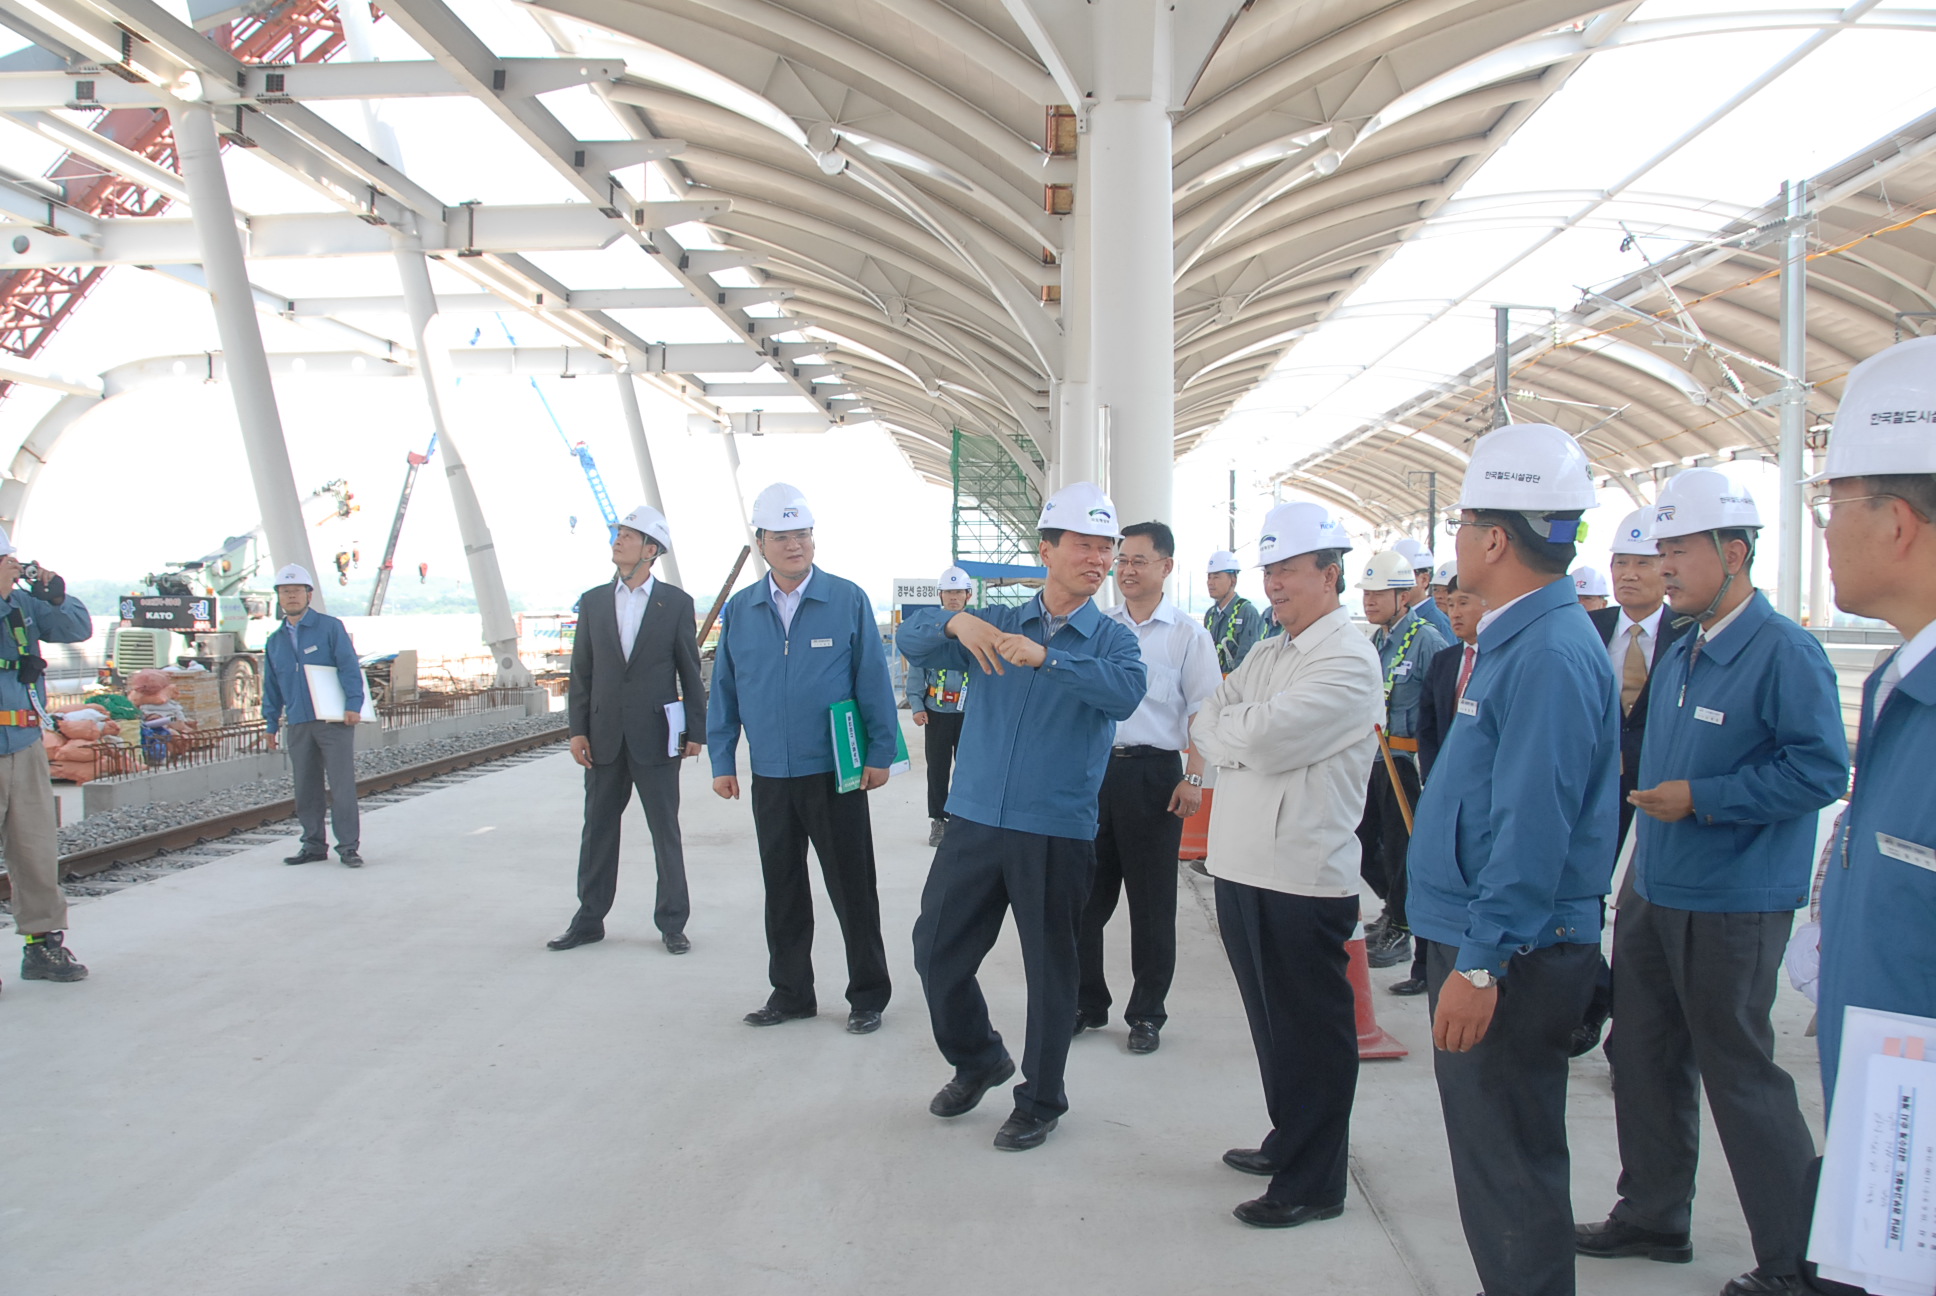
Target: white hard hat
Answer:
[[781, 507], [1293, 529], [1223, 561], [956, 579], [6, 544], [1531, 468], [648, 521], [1636, 534], [294, 575], [1590, 582], [1446, 572], [1886, 423], [1703, 499], [1417, 554], [1080, 507], [1387, 570]]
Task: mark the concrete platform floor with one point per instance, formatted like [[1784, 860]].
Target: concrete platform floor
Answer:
[[319, 1082]]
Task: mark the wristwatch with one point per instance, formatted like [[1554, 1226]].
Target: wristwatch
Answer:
[[1194, 780], [1480, 979]]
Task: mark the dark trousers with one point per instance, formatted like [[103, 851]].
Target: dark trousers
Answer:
[[608, 790], [1695, 991], [940, 736], [1137, 843], [1383, 838], [324, 751], [788, 814], [1504, 1104], [1288, 955], [979, 873]]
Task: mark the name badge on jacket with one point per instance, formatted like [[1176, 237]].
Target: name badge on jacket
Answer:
[[1709, 715], [1906, 851], [1468, 706], [823, 643], [312, 648], [1402, 670]]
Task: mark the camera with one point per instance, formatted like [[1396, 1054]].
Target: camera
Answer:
[[30, 572]]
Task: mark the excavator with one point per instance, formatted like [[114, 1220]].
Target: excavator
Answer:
[[212, 610]]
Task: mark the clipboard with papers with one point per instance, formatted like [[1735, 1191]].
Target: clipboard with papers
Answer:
[[326, 694]]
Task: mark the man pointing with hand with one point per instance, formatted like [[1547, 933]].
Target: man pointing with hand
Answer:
[[1054, 677]]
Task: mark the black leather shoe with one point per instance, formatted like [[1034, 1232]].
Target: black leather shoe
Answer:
[[1614, 1239], [1408, 987], [1758, 1282], [1019, 1133], [1585, 1039], [961, 1095], [576, 936], [1144, 1037], [307, 857], [677, 943], [1090, 1020], [1250, 1161], [352, 860], [771, 1016], [863, 1021], [1265, 1213]]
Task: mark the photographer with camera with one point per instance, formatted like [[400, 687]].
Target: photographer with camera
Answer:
[[36, 606]]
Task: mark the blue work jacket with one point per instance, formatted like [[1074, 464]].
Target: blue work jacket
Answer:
[[1428, 611], [1036, 743], [68, 623], [315, 640], [779, 683], [1879, 898], [1514, 843], [1404, 651], [1756, 731]]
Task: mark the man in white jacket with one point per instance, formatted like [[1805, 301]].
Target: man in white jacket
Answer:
[[1290, 732]]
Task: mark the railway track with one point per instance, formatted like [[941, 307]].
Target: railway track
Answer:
[[133, 850]]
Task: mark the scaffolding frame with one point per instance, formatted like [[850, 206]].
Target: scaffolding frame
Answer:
[[995, 509]]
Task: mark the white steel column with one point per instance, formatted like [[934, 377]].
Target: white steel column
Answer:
[[1130, 293], [757, 563], [246, 361], [1794, 409], [1073, 457], [1821, 600], [628, 399], [480, 553]]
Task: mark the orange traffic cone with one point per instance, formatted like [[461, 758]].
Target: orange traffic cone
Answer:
[[1196, 831], [1374, 1041]]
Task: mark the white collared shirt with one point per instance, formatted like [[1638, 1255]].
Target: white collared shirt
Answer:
[[630, 604], [1649, 639], [1180, 662], [1721, 623], [787, 602], [1493, 614], [1907, 658]]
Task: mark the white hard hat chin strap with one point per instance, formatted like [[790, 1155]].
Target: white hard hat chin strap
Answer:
[[1727, 583]]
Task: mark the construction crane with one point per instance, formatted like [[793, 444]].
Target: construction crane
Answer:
[[382, 586], [578, 451]]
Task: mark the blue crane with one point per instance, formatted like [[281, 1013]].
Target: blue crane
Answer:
[[577, 450]]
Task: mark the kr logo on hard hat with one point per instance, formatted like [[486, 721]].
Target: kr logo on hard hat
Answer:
[[1099, 515], [1268, 542], [789, 513], [1666, 513]]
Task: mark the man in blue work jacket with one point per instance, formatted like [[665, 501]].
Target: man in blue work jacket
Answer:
[[936, 699], [36, 606], [320, 750], [1422, 600], [1512, 856], [1879, 896], [1055, 677], [791, 647], [1744, 746], [1406, 644]]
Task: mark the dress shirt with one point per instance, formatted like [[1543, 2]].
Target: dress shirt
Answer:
[[1180, 660], [1466, 662], [1493, 614], [1649, 639], [630, 604], [1907, 658], [786, 602]]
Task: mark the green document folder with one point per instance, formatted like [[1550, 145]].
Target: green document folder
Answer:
[[850, 745]]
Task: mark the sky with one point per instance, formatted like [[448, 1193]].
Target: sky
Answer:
[[160, 474]]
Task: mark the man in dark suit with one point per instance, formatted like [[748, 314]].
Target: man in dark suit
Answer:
[[1636, 630], [634, 664]]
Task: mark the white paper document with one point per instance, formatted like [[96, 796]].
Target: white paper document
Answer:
[[326, 694], [675, 726], [1875, 1214]]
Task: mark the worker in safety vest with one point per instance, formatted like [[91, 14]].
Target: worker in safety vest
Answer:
[[1512, 856], [1234, 624], [1406, 645], [936, 698], [1744, 746], [1423, 565], [1591, 588], [1879, 508]]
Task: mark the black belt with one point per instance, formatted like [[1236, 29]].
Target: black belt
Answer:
[[1138, 752]]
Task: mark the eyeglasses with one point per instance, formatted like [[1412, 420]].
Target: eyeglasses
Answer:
[[1822, 507], [1138, 565], [790, 537]]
